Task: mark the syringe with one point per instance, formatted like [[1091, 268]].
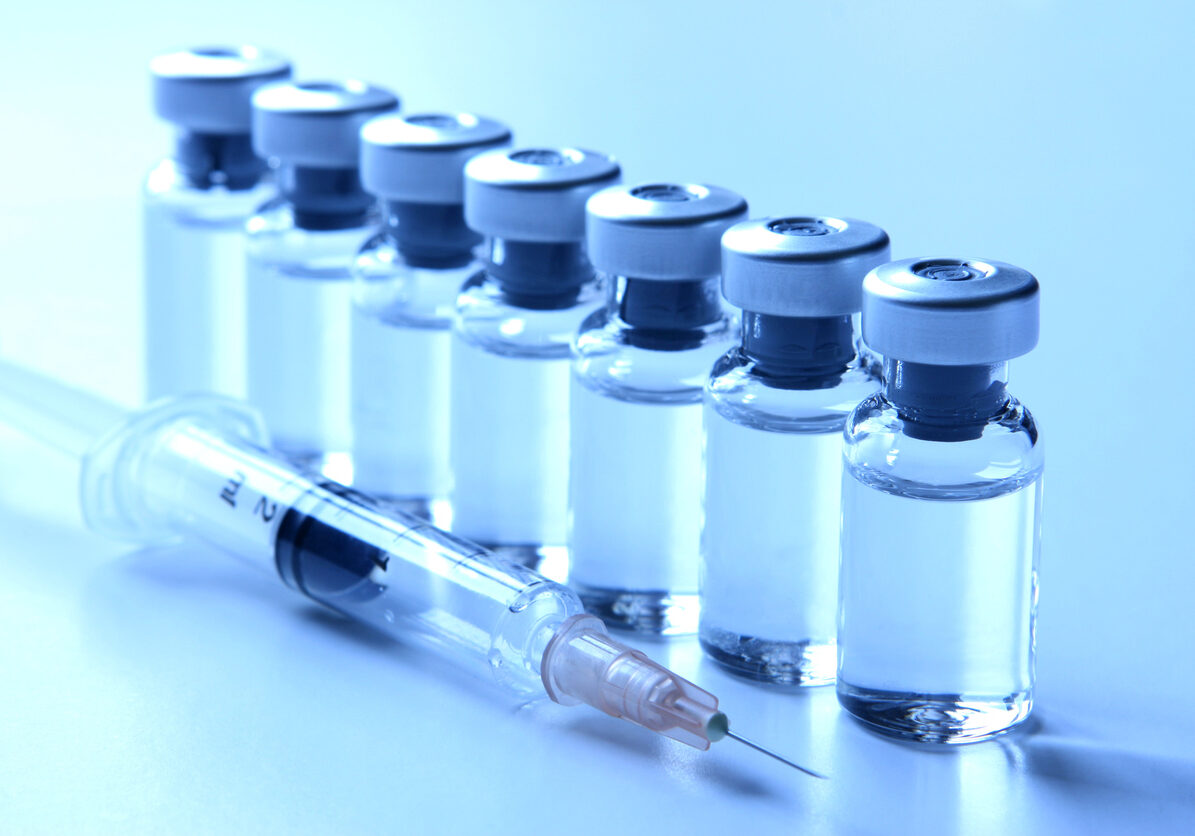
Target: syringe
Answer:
[[199, 467]]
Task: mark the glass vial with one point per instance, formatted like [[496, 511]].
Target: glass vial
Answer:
[[509, 414], [407, 277], [941, 503], [639, 365], [301, 249], [196, 202], [775, 407]]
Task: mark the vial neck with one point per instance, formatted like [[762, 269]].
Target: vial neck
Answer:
[[211, 160], [325, 198], [536, 275], [945, 403], [431, 235], [799, 352], [666, 315]]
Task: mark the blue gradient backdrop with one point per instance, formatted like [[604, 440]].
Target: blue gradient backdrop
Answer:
[[1053, 135]]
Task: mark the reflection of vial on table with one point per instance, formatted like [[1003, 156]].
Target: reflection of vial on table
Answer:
[[775, 409], [510, 352], [407, 278], [941, 499], [301, 248], [196, 203], [638, 370]]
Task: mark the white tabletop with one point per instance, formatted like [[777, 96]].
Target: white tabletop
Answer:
[[179, 689]]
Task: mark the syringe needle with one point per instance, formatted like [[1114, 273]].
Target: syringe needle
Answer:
[[772, 754]]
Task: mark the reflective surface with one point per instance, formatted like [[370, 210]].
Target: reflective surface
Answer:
[[178, 662]]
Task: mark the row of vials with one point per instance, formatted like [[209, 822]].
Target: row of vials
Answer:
[[635, 387]]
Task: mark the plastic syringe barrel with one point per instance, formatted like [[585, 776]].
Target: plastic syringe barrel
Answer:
[[61, 417], [198, 467]]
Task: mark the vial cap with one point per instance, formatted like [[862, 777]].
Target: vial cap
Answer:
[[421, 158], [207, 89], [534, 194], [950, 311], [801, 265], [316, 123], [660, 230]]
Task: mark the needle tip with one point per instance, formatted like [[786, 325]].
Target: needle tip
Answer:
[[773, 755]]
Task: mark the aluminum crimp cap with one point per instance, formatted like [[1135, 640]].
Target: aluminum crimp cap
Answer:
[[534, 194], [207, 89], [950, 311], [803, 265], [421, 158], [660, 230], [316, 123]]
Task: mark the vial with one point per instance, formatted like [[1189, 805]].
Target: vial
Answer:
[[775, 408], [407, 278], [301, 249], [195, 204], [941, 501], [639, 365], [509, 414]]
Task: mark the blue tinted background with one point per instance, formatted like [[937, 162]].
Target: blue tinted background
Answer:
[[166, 688]]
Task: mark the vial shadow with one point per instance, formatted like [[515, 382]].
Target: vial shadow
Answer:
[[1088, 769]]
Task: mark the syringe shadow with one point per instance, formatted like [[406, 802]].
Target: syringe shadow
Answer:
[[639, 743], [152, 597], [143, 598]]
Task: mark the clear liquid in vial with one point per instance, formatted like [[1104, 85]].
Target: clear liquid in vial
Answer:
[[299, 325], [637, 482], [400, 410], [772, 522], [938, 604], [509, 449], [195, 304]]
